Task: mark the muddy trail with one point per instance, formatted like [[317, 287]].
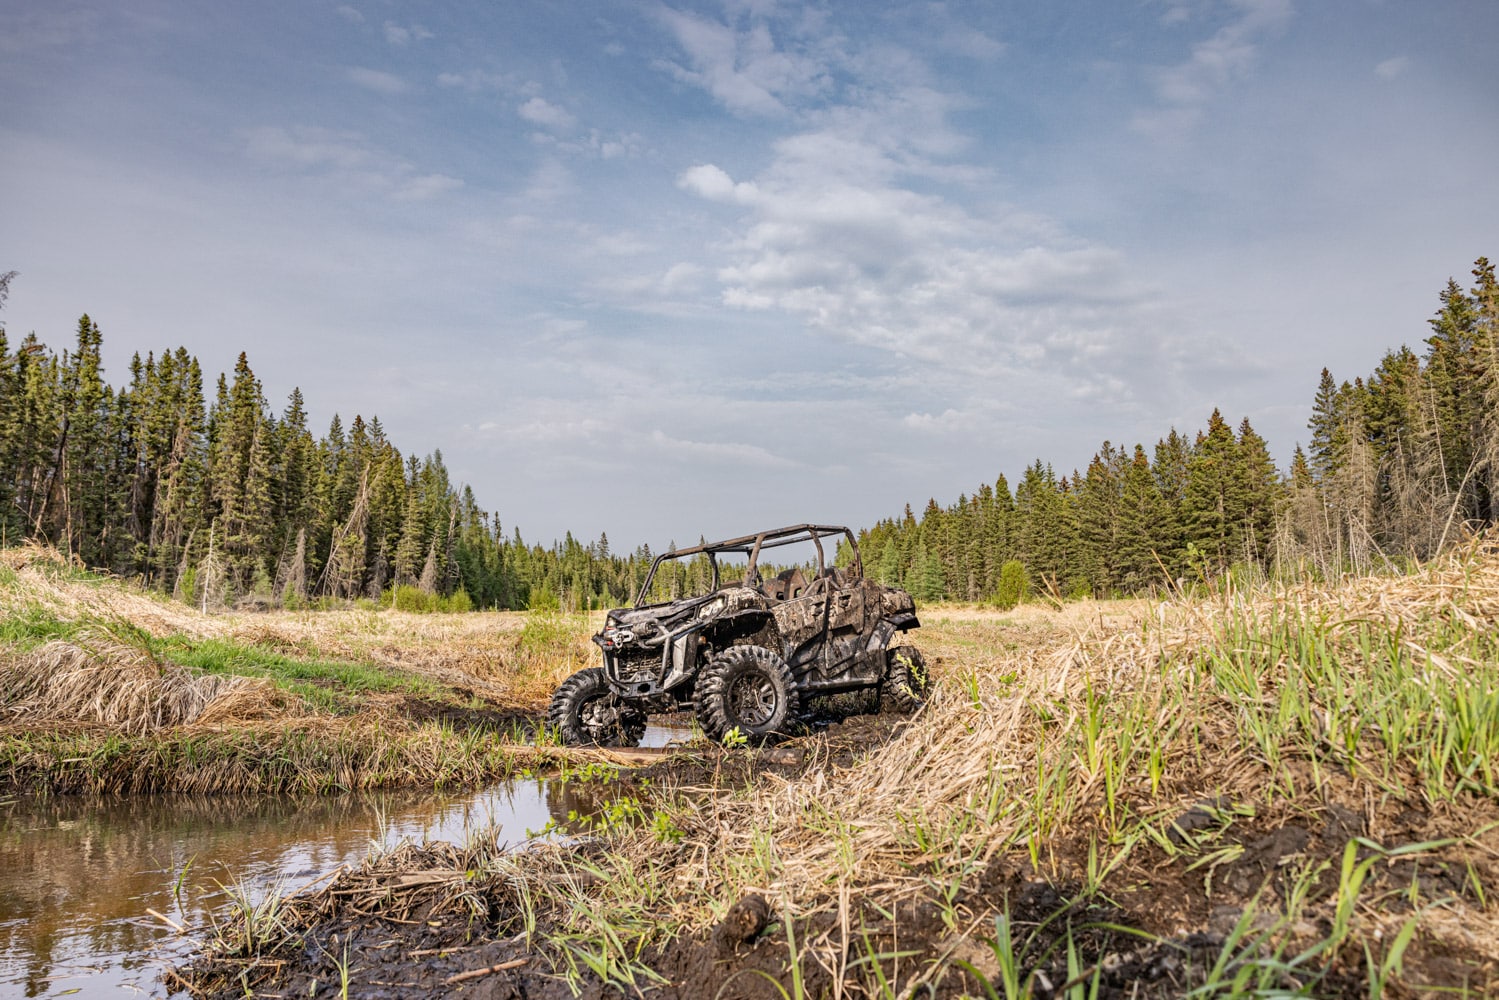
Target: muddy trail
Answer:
[[1291, 789], [1237, 900]]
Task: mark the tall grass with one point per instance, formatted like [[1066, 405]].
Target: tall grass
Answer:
[[313, 757], [1068, 748], [1073, 746], [105, 688]]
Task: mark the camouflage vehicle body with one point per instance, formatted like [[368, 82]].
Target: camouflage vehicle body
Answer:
[[746, 653]]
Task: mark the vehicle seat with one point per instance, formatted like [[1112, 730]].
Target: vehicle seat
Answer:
[[786, 585]]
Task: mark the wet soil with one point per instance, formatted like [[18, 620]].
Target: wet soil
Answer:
[[1207, 905]]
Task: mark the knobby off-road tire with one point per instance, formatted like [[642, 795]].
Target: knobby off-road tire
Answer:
[[586, 712], [750, 689], [907, 680]]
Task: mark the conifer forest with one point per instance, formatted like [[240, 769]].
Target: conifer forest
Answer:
[[220, 497]]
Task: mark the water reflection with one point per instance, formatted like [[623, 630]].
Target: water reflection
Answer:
[[78, 875]]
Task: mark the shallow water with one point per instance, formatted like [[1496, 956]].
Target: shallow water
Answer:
[[79, 875]]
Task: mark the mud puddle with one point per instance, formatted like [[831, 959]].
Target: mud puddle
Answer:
[[80, 875]]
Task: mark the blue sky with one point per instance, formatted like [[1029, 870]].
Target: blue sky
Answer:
[[664, 270]]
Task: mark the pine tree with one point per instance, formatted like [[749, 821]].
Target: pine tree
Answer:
[[1485, 300], [240, 475], [1170, 471], [1326, 426], [79, 489], [1452, 372], [1214, 503], [1142, 518], [1099, 511], [1047, 534], [1261, 491], [11, 524]]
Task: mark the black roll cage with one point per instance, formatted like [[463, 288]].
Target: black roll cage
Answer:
[[752, 546]]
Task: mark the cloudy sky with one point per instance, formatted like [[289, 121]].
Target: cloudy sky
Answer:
[[664, 270]]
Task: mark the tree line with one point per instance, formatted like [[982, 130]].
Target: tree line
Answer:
[[1400, 462], [219, 499]]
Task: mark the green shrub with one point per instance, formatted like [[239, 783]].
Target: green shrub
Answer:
[[414, 599], [1014, 585], [409, 598], [458, 603], [544, 599]]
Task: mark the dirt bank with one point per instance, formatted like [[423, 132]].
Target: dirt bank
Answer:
[[1283, 792]]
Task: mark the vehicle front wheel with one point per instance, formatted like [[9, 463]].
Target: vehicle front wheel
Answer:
[[748, 689], [584, 711], [907, 680]]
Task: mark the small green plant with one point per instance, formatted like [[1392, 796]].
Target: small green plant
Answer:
[[1014, 585], [665, 829], [734, 739], [180, 882], [1002, 944]]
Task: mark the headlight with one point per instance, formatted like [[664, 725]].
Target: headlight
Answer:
[[712, 608]]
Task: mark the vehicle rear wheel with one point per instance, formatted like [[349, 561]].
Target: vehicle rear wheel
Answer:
[[749, 689], [585, 711], [907, 680]]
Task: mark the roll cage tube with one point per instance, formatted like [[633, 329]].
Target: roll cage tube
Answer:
[[751, 546]]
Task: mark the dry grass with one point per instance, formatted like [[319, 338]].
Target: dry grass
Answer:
[[513, 659], [104, 687], [307, 755], [1354, 723], [1059, 746], [122, 688]]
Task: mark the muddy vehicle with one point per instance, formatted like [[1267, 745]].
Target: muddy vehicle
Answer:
[[746, 654]]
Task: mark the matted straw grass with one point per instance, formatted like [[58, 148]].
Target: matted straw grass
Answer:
[[121, 687], [1353, 721], [511, 658], [105, 688]]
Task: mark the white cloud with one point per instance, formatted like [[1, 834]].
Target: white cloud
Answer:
[[307, 146], [549, 431], [743, 68], [1184, 89], [595, 144], [732, 453], [539, 111], [971, 43], [347, 159], [863, 227], [549, 182], [426, 187], [350, 14], [399, 35], [1176, 13], [1391, 68], [947, 420], [683, 278], [477, 79], [379, 81], [708, 181]]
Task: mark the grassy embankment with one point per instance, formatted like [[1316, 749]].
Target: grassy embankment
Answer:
[[1291, 791], [104, 688]]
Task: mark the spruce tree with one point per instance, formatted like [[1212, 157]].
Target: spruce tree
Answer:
[[1261, 489], [1142, 519], [1214, 501], [1170, 471], [1099, 503]]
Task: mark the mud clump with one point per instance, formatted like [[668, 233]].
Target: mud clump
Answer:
[[742, 924]]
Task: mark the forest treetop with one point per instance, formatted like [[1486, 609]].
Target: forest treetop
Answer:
[[227, 500]]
